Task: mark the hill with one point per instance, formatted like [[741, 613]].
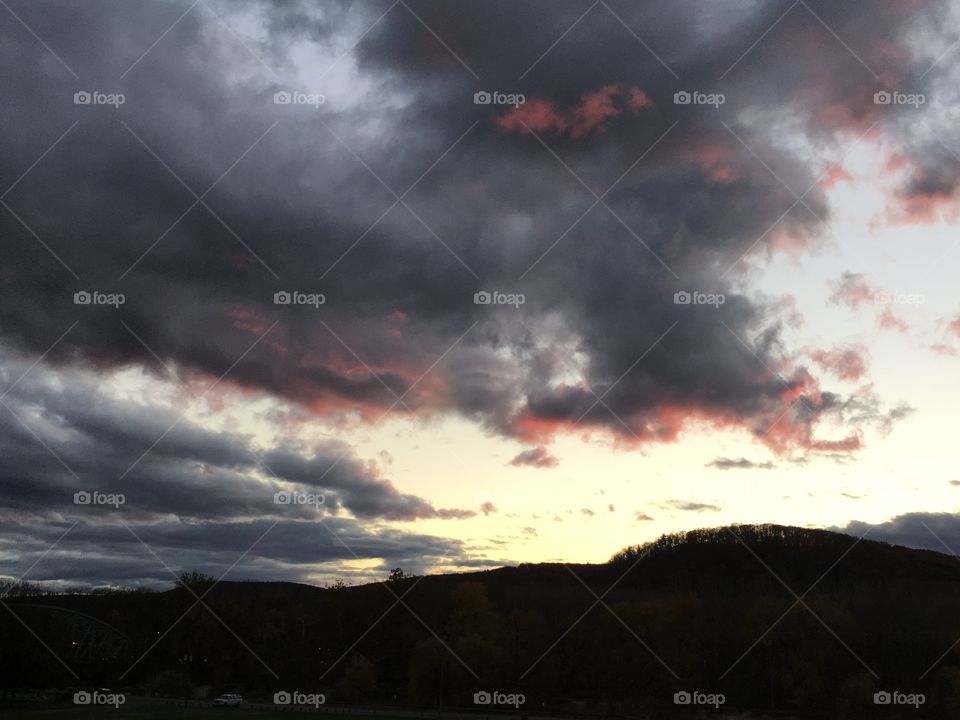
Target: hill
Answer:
[[779, 617]]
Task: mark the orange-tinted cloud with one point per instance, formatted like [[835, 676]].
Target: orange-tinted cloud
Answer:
[[590, 115], [786, 426]]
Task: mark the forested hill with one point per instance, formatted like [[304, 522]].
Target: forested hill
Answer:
[[713, 609]]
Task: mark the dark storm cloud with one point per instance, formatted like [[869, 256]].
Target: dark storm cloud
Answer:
[[60, 436], [294, 211], [197, 498]]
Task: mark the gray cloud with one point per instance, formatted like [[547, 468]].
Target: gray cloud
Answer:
[[196, 494], [98, 552], [298, 199], [198, 297], [923, 530], [722, 463], [59, 440], [537, 457], [689, 506]]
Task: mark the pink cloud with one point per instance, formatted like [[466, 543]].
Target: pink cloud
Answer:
[[590, 115], [848, 363]]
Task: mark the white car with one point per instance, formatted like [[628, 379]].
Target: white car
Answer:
[[227, 700]]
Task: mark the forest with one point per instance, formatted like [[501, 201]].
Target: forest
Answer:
[[776, 619]]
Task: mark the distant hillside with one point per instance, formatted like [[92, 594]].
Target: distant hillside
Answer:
[[707, 609]]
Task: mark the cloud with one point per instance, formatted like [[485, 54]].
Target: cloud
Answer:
[[722, 463], [923, 530], [853, 290], [303, 200], [591, 114], [888, 320], [100, 551], [953, 327], [488, 508], [186, 488], [199, 288], [847, 363], [642, 517], [689, 506], [537, 457]]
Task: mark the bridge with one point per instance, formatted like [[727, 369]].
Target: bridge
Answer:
[[82, 637]]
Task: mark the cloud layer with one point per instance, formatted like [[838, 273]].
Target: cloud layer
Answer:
[[329, 255]]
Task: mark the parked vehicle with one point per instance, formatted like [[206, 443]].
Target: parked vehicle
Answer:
[[227, 700]]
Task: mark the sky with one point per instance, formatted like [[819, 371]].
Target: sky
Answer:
[[304, 291]]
